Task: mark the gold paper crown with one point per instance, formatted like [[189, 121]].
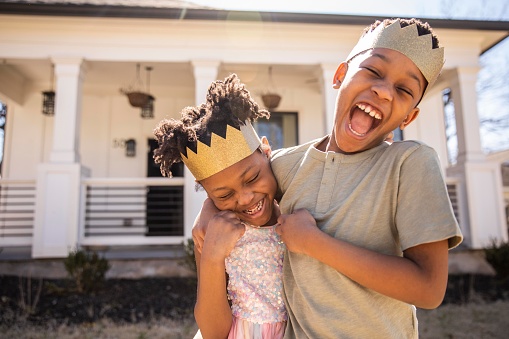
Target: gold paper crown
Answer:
[[406, 40], [222, 152]]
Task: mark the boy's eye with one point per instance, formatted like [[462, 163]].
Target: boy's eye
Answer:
[[373, 71], [407, 91]]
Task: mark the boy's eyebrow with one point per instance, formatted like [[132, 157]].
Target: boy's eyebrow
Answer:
[[410, 74], [241, 176]]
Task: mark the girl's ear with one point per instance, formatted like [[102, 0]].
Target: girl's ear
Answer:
[[266, 147]]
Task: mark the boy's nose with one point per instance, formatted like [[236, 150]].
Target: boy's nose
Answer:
[[384, 91]]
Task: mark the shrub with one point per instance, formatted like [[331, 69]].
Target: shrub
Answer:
[[189, 260], [87, 269], [497, 254]]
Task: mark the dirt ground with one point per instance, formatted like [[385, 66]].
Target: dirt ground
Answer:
[[474, 307]]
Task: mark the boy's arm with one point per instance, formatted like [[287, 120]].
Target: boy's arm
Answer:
[[201, 222], [418, 278]]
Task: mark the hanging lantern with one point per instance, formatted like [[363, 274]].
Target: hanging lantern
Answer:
[[48, 98], [48, 103], [147, 111]]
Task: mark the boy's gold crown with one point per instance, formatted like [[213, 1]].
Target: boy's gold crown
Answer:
[[406, 40], [222, 152]]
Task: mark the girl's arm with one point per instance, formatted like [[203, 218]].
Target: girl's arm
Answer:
[[212, 311], [418, 278]]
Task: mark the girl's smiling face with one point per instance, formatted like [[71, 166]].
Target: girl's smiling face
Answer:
[[247, 188]]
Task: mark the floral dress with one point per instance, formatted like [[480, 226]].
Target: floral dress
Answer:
[[255, 286]]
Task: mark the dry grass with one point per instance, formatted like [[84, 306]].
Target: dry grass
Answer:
[[473, 320], [157, 329]]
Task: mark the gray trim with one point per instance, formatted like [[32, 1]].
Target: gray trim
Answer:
[[220, 15]]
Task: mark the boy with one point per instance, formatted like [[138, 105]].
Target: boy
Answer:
[[369, 239]]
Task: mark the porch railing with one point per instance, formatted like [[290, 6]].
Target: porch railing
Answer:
[[132, 211], [17, 205], [117, 211]]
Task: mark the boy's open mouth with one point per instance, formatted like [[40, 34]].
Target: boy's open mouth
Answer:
[[363, 119], [255, 209]]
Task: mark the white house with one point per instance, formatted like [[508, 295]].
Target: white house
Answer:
[[84, 176]]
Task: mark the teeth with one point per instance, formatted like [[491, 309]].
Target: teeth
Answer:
[[370, 110], [257, 208], [354, 132]]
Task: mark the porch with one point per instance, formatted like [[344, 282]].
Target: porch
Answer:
[[124, 218]]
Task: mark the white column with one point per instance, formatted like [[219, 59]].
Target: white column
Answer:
[[59, 181], [69, 73], [429, 127], [481, 179], [205, 72], [329, 95]]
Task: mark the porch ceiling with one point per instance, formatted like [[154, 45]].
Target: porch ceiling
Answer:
[[120, 74]]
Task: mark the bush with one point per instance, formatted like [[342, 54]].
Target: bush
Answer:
[[498, 257], [189, 260], [87, 269]]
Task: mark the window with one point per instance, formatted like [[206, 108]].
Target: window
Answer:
[[281, 129], [450, 126]]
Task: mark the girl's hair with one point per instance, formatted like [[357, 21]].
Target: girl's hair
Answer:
[[228, 102]]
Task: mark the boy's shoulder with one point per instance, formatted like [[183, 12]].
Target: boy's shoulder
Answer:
[[289, 153]]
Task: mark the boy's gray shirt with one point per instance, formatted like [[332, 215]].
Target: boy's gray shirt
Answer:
[[386, 199]]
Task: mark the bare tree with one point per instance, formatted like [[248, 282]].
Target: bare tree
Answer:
[[493, 79]]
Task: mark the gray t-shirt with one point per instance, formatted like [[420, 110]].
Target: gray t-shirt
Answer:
[[386, 199]]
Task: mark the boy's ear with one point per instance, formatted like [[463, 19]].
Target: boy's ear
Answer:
[[409, 118], [339, 76], [266, 147]]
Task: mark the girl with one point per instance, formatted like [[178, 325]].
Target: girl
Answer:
[[218, 144]]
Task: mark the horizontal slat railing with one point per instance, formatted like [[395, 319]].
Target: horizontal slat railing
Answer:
[[455, 197], [132, 211], [17, 206]]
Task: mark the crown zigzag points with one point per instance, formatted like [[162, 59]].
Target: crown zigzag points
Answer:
[[406, 40], [222, 152]]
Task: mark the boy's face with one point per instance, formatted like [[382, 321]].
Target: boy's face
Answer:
[[246, 188], [379, 91]]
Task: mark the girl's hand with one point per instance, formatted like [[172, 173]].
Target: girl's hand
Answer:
[[223, 232]]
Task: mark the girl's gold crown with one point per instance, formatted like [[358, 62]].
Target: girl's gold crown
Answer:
[[222, 152], [406, 40]]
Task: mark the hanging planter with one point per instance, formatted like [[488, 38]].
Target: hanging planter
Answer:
[[135, 93], [137, 99], [271, 100]]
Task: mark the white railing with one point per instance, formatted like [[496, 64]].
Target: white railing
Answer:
[[121, 211], [132, 211], [454, 190], [17, 205]]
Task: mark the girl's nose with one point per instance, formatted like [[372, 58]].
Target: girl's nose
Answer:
[[246, 197]]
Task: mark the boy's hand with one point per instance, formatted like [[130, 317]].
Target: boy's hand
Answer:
[[201, 222], [296, 229]]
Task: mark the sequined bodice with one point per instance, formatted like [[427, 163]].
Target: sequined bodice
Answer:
[[255, 284]]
